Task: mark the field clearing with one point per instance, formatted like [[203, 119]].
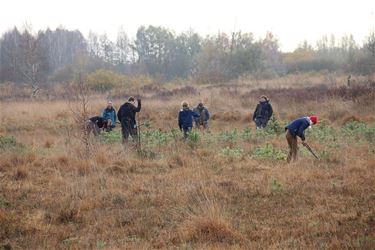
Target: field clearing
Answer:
[[227, 189]]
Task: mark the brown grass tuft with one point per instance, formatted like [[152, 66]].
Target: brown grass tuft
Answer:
[[20, 173], [202, 229]]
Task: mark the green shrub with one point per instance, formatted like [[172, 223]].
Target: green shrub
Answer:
[[229, 136], [9, 143], [103, 80], [110, 137], [269, 152], [274, 127], [232, 152], [246, 134]]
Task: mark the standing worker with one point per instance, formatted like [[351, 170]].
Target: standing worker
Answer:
[[185, 119], [297, 128], [204, 116], [126, 115], [263, 112], [109, 113]]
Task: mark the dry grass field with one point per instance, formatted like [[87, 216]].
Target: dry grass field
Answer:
[[230, 188]]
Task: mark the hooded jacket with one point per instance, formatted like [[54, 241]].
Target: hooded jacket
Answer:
[[110, 114], [127, 111], [263, 110], [185, 118], [298, 127]]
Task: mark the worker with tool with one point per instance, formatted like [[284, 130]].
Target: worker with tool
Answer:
[[297, 128]]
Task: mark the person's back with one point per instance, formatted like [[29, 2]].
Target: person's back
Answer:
[[297, 128], [127, 111], [126, 116]]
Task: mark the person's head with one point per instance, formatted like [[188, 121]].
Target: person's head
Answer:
[[131, 99], [185, 105], [109, 104], [263, 98], [314, 119], [200, 105]]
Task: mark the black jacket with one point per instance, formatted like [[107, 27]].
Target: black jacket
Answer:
[[127, 111], [263, 110], [98, 120]]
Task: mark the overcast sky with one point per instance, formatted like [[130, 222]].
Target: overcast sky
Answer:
[[291, 21]]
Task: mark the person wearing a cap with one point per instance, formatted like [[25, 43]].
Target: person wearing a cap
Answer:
[[185, 119], [297, 128], [204, 116], [109, 114], [263, 112], [126, 116]]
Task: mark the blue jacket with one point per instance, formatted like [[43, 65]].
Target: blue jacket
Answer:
[[185, 118], [110, 114], [298, 127]]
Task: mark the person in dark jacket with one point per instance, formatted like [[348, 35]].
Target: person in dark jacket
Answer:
[[126, 115], [204, 116], [95, 124], [185, 119], [109, 113], [263, 112], [297, 128]]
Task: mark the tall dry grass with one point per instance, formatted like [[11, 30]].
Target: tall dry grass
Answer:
[[187, 196]]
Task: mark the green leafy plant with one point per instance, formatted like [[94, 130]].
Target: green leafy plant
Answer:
[[269, 152], [232, 152]]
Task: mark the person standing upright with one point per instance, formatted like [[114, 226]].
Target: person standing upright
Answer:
[[263, 112], [204, 116], [185, 119], [126, 115]]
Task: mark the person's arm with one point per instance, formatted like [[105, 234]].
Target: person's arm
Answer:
[[207, 115], [119, 114], [271, 111], [255, 112], [138, 108], [196, 115], [301, 131]]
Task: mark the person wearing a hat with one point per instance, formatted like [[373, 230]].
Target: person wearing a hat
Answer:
[[263, 112], [185, 119], [204, 116], [126, 115], [297, 128], [109, 114]]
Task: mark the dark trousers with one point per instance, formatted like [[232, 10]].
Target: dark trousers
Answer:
[[261, 122], [186, 132], [129, 128], [292, 143]]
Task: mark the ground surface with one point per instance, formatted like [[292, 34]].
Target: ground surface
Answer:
[[230, 188]]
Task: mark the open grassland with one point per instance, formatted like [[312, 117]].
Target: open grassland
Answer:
[[230, 188]]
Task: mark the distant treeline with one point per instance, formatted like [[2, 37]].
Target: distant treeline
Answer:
[[55, 55]]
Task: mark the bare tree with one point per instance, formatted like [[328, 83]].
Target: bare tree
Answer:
[[79, 106]]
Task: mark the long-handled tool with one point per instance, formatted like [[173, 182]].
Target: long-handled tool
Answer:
[[309, 148]]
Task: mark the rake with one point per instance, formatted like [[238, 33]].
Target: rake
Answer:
[[309, 148]]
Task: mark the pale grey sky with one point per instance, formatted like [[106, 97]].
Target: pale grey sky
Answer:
[[291, 21]]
